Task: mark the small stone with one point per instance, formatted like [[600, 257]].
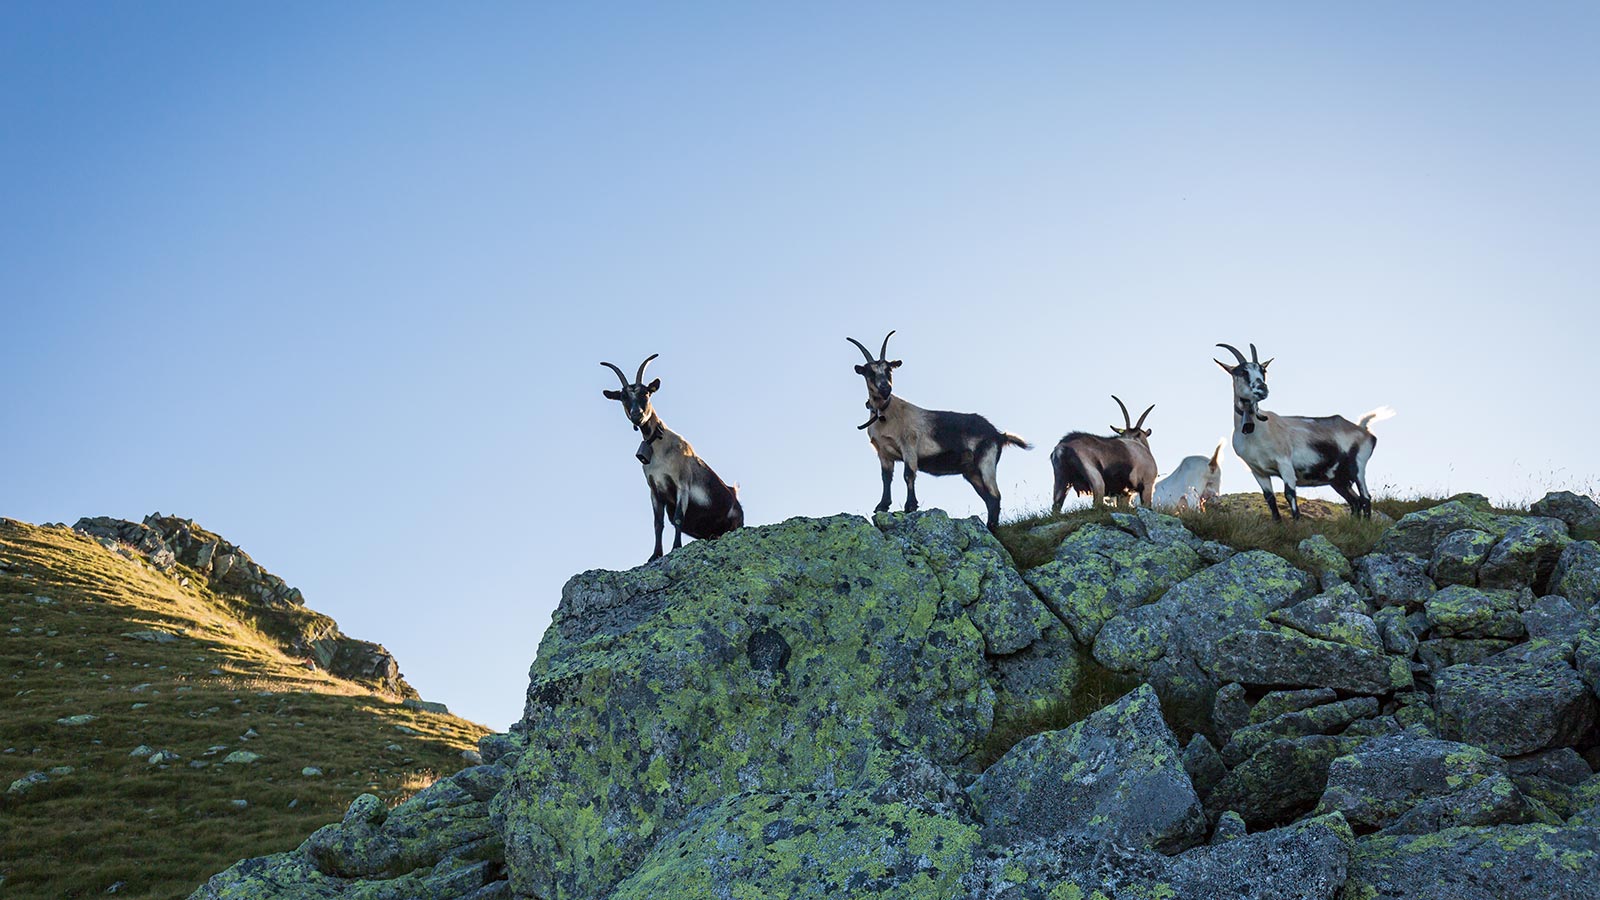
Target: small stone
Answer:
[[394, 748], [239, 804], [61, 770], [142, 751], [153, 636], [241, 757], [406, 729], [82, 719], [311, 772], [472, 757], [27, 783]]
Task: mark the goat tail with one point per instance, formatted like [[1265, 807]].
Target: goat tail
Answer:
[[1377, 415], [1013, 440], [1216, 455]]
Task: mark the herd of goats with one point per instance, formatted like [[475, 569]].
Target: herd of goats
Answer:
[[1300, 451]]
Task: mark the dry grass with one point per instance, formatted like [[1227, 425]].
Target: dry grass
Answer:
[[1096, 688], [161, 830]]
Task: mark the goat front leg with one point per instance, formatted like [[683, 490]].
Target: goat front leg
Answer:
[[887, 465], [1266, 491], [659, 510]]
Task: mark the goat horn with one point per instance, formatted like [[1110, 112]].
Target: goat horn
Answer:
[[864, 351], [1126, 422], [1253, 357], [620, 377], [1140, 423], [883, 352], [1235, 351], [639, 378]]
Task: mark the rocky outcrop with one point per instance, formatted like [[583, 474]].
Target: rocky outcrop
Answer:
[[278, 610], [829, 707]]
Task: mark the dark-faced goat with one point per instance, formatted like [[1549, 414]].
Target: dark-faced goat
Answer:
[[1301, 451], [929, 440], [1118, 466], [682, 486]]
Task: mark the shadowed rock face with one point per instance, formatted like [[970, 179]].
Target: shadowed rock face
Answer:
[[799, 711]]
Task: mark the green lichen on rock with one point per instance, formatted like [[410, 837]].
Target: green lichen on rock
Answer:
[[1576, 575], [1339, 615], [1464, 612], [1457, 558], [1326, 719], [1421, 532], [1281, 781], [1508, 862], [1331, 566], [1526, 556], [806, 845], [1514, 709], [1292, 659], [1385, 777], [1100, 572], [779, 658]]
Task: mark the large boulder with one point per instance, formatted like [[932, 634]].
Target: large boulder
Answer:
[[1281, 781], [1385, 777], [1513, 709], [1459, 611], [1290, 659], [1099, 573], [1420, 533], [1457, 558], [1394, 579], [1526, 556], [1509, 862], [1173, 642], [786, 658], [1117, 775], [1329, 563], [1580, 513], [1326, 719], [1340, 615], [1576, 575], [1305, 861]]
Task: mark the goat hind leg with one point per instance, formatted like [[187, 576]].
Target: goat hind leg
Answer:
[[1272, 498], [911, 484]]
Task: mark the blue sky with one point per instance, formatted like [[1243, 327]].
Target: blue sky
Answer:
[[335, 280]]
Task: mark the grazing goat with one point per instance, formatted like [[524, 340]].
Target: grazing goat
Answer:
[[1115, 466], [929, 440], [1194, 483], [682, 486], [1302, 451]]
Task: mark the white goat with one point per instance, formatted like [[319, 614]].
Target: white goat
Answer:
[[1194, 483], [1301, 451]]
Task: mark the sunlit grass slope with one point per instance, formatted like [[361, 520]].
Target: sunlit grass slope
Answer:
[[157, 830]]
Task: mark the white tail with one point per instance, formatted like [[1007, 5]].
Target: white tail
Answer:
[[1377, 415]]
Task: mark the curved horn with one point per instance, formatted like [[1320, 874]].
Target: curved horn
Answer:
[[1126, 422], [1140, 423], [883, 352], [1253, 357], [620, 377], [1235, 351], [639, 378], [864, 351]]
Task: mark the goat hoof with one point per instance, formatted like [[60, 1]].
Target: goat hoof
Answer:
[[881, 508], [911, 507]]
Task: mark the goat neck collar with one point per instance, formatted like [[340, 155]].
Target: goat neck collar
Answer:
[[652, 429], [1249, 414], [875, 412]]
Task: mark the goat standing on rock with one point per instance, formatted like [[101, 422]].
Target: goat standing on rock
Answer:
[[1100, 466], [682, 486], [1302, 451], [929, 440]]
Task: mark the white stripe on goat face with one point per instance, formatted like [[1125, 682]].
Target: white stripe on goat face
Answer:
[[1250, 382]]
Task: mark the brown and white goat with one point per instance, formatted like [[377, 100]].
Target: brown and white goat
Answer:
[[1117, 467], [682, 486], [1302, 451], [929, 440]]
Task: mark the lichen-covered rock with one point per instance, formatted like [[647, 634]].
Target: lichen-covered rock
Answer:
[[1116, 776], [784, 658], [1526, 556], [1327, 719], [1281, 781], [1230, 826], [1395, 629], [1173, 642], [1420, 533], [1230, 711], [1493, 801], [1306, 861], [1439, 654], [1384, 777], [798, 845], [1562, 764], [1048, 669], [1290, 659], [1580, 513], [1554, 618], [1586, 659], [1100, 572], [1204, 765], [1515, 709], [1457, 558], [1576, 575], [1329, 563], [1459, 611], [1337, 615], [1275, 703], [1394, 579], [1508, 862]]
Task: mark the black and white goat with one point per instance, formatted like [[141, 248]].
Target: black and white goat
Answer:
[[1194, 483], [929, 440], [682, 486], [1301, 451], [1117, 466]]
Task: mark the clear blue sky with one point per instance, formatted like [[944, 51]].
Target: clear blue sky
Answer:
[[334, 279]]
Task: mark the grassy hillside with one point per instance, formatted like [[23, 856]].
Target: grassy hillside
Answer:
[[117, 821]]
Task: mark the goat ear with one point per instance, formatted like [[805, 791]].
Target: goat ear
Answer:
[[1149, 431], [612, 395], [860, 369], [896, 364], [654, 386], [1265, 364], [1225, 367]]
